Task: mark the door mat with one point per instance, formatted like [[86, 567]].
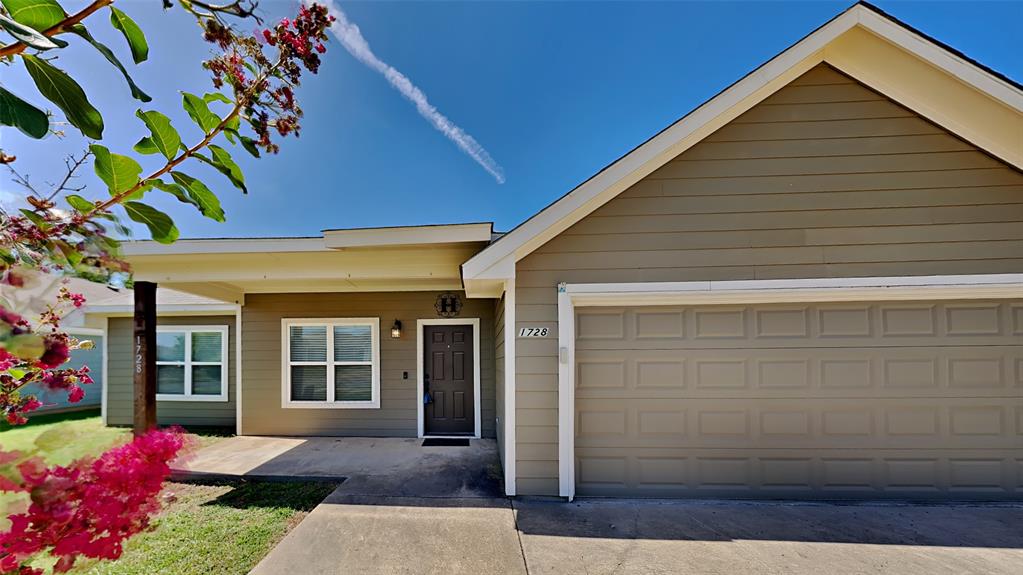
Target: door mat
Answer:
[[445, 442]]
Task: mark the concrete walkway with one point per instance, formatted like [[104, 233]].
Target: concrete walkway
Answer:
[[438, 510]]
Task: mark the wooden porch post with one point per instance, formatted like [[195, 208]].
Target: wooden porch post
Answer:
[[144, 368]]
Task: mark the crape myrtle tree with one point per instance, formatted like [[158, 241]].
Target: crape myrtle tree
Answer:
[[91, 506]]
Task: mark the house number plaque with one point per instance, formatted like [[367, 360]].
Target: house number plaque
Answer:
[[534, 332]]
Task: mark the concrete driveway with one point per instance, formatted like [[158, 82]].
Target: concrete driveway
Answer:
[[615, 536], [371, 535], [405, 508]]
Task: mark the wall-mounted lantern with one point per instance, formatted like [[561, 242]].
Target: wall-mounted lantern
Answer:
[[396, 329]]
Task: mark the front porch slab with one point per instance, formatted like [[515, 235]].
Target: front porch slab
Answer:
[[392, 467]]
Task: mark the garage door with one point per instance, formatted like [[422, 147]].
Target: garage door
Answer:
[[897, 399]]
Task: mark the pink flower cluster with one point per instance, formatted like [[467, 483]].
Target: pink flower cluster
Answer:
[[90, 507]]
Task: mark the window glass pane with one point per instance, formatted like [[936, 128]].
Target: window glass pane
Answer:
[[353, 383], [170, 379], [308, 343], [206, 379], [309, 383], [170, 346], [206, 346], [353, 343]]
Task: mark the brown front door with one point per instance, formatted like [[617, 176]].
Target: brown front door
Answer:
[[448, 379]]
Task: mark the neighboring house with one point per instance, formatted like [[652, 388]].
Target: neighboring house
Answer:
[[30, 300], [203, 325], [809, 286]]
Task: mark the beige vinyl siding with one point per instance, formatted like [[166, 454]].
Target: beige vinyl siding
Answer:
[[825, 178], [501, 421], [397, 415], [120, 394]]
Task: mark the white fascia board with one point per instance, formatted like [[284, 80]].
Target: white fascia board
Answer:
[[407, 235], [716, 112], [953, 64], [165, 310], [661, 148], [224, 246]]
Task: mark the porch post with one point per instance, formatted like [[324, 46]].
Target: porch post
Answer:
[[144, 369]]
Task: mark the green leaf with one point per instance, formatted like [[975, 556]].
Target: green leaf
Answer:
[[146, 146], [132, 33], [160, 225], [200, 112], [231, 128], [60, 89], [216, 97], [16, 112], [29, 36], [38, 14], [79, 203], [203, 198], [34, 218], [176, 190], [118, 172], [136, 92], [224, 164], [250, 145], [164, 136]]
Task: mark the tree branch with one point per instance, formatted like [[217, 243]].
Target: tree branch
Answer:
[[58, 28], [171, 164]]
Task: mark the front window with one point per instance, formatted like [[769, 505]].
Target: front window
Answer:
[[332, 363], [191, 363]]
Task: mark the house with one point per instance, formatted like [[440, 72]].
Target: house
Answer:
[[31, 299], [809, 286]]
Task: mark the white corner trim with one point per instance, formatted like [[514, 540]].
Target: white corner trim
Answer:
[[566, 393], [288, 403], [104, 391], [238, 370], [476, 371], [510, 431]]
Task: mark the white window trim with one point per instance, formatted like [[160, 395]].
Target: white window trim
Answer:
[[476, 372], [330, 323], [900, 288], [188, 363]]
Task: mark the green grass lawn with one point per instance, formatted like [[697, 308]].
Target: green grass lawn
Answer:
[[221, 528], [205, 528], [74, 434]]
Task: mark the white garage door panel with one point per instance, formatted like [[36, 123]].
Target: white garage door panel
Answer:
[[828, 400]]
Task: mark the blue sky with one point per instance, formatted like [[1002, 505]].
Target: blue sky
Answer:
[[553, 91]]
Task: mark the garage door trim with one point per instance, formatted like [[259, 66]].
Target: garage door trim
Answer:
[[570, 296]]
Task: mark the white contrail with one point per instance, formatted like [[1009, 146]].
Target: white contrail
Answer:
[[351, 38]]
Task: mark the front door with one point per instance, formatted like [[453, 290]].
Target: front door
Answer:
[[448, 379]]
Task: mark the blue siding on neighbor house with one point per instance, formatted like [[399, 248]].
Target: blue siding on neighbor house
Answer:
[[57, 400]]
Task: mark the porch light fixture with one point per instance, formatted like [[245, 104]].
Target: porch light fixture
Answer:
[[396, 329]]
